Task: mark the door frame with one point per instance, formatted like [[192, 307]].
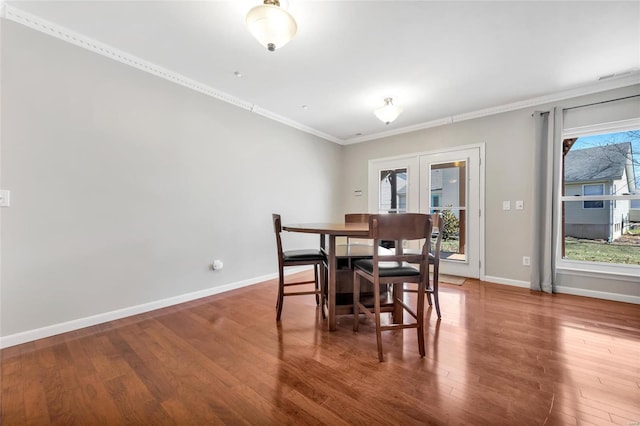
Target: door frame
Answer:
[[412, 162]]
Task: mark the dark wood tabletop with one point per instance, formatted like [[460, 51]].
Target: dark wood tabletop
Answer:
[[330, 228]]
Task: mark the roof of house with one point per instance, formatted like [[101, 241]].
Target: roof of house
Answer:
[[605, 162]]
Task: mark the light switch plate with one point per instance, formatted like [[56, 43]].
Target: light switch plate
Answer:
[[506, 205], [519, 205], [5, 198]]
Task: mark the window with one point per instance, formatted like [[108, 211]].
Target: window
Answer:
[[435, 202], [601, 201], [597, 189], [393, 191]]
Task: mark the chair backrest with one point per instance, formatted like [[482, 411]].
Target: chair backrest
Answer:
[[357, 218], [277, 227], [402, 227]]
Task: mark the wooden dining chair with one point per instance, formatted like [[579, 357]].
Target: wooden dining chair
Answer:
[[288, 258], [357, 218], [396, 269], [431, 290]]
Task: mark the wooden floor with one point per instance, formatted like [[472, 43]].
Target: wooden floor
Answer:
[[499, 356]]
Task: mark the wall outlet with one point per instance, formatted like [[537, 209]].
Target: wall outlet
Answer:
[[5, 200], [526, 261], [506, 205], [519, 205]]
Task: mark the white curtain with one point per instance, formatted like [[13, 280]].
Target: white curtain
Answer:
[[548, 127]]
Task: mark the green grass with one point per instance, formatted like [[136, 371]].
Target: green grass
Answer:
[[602, 252], [449, 246], [585, 250]]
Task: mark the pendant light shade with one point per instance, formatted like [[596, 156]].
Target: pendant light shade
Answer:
[[388, 112], [271, 25]]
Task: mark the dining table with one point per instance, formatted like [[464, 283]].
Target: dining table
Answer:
[[335, 230]]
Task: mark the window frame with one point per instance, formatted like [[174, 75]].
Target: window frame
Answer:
[[615, 271]]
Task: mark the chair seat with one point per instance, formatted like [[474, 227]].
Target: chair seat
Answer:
[[309, 254], [388, 269]]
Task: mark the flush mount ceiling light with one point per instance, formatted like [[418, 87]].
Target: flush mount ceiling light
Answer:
[[388, 112], [271, 25]]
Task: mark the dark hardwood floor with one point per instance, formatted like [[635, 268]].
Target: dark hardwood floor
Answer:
[[499, 356]]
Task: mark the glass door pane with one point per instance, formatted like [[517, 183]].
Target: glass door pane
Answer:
[[448, 195], [393, 191]]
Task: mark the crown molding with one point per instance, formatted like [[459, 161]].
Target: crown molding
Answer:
[[399, 131], [34, 22], [611, 84], [284, 120], [17, 15]]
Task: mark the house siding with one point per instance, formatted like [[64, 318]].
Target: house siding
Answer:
[[621, 209], [608, 223], [586, 223]]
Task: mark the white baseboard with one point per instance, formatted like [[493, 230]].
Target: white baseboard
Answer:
[[616, 297], [507, 281], [64, 327]]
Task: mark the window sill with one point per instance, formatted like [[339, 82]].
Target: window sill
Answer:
[[629, 273]]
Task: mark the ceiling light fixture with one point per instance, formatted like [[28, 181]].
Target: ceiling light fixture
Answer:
[[388, 112], [271, 25]]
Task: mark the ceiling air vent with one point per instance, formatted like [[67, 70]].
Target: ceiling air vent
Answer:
[[617, 74]]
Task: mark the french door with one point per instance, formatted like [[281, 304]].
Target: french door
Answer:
[[450, 185], [448, 182]]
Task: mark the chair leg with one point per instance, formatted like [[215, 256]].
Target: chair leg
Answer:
[[436, 302], [436, 278], [356, 302], [317, 284], [426, 289], [420, 321], [280, 300], [326, 284], [323, 288], [376, 296]]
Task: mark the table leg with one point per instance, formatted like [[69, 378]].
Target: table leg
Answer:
[[325, 275], [332, 265]]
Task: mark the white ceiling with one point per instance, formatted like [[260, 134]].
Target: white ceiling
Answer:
[[440, 61]]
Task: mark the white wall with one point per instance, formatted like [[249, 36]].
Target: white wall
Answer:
[[125, 187], [509, 139]]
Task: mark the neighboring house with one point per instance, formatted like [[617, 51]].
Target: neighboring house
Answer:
[[634, 213], [603, 170], [393, 191], [445, 187]]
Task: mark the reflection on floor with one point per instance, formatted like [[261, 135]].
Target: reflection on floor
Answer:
[[451, 279]]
